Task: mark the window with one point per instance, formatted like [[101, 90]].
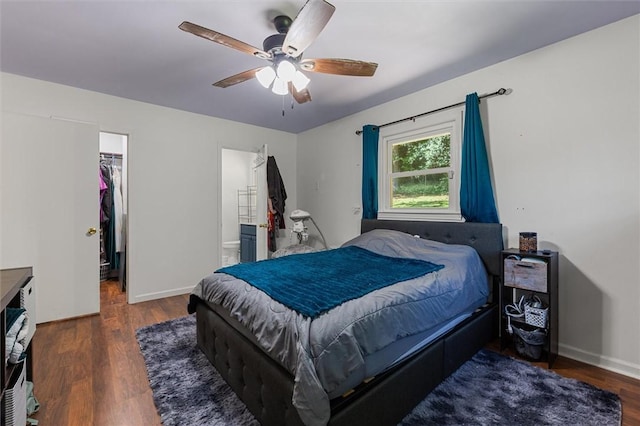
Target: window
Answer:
[[419, 170]]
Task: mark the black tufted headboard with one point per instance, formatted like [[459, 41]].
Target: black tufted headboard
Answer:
[[486, 238]]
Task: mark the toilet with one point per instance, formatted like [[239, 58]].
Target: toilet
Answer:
[[230, 252]]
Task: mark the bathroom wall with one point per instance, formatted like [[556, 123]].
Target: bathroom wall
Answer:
[[237, 174]]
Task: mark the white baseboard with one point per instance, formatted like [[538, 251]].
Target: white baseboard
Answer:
[[161, 295], [608, 363]]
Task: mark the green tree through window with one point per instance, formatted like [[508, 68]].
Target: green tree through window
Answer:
[[420, 175]]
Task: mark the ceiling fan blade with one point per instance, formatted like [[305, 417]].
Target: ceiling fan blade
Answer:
[[339, 66], [306, 27], [301, 96], [222, 39], [238, 78]]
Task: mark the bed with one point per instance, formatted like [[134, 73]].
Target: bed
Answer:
[[277, 371]]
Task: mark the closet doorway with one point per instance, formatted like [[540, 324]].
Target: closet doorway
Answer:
[[113, 213], [243, 205]]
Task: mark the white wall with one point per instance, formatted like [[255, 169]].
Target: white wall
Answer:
[[174, 223], [565, 155], [112, 143]]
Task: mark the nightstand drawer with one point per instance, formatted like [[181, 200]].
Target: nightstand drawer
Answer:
[[526, 274]]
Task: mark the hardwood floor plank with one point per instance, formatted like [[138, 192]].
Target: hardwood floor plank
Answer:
[[81, 403], [89, 371]]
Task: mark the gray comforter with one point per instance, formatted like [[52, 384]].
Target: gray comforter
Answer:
[[323, 353]]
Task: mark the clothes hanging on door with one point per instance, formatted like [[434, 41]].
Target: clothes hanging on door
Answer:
[[271, 226], [277, 196], [277, 191]]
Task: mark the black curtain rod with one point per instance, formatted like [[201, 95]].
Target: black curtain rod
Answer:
[[501, 91]]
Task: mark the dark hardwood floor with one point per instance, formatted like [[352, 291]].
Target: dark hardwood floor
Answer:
[[89, 371]]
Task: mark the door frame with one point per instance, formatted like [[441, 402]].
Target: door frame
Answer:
[[220, 239], [125, 198]]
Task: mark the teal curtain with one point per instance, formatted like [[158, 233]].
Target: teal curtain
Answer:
[[370, 172], [476, 193]]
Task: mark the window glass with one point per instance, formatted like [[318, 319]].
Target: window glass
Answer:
[[426, 186], [420, 167], [428, 153], [426, 191]]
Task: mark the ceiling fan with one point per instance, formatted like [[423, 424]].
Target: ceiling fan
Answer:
[[284, 51]]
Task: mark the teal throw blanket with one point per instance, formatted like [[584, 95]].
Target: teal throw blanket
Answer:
[[314, 283]]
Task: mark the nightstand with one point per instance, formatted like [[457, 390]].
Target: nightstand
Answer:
[[533, 275]]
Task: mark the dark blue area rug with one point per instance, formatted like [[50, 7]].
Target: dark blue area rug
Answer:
[[490, 389]]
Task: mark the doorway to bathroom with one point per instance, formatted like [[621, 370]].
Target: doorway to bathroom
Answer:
[[243, 203]]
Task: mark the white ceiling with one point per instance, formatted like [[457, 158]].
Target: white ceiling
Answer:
[[134, 49]]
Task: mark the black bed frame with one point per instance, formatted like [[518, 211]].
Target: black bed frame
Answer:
[[267, 388]]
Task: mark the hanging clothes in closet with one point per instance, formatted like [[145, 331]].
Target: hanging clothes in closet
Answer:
[[106, 199], [111, 210], [104, 217], [117, 207]]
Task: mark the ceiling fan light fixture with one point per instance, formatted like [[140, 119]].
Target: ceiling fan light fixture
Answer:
[[286, 70], [300, 81], [266, 76], [280, 87]]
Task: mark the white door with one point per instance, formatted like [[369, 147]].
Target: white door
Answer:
[[262, 193], [49, 204]]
